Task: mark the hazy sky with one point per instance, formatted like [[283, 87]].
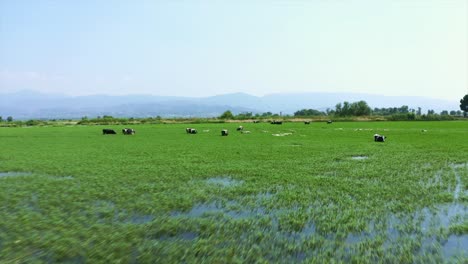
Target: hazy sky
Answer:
[[199, 48]]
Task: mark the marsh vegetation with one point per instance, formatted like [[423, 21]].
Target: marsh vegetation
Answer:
[[310, 193]]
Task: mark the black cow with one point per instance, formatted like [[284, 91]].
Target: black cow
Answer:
[[329, 122], [307, 122], [128, 131], [107, 131], [224, 132], [256, 121], [240, 128], [379, 138], [274, 122], [191, 130]]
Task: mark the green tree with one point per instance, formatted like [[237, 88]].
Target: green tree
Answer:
[[464, 104], [9, 119], [360, 108], [227, 115], [244, 115], [308, 112], [1, 119], [338, 109]]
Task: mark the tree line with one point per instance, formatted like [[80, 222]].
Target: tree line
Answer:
[[342, 110]]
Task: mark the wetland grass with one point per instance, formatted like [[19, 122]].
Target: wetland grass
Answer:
[[165, 196]]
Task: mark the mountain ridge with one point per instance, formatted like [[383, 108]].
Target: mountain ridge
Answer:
[[30, 104]]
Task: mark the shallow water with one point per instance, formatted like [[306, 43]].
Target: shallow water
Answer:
[[14, 173], [455, 246], [458, 185], [424, 225], [224, 181], [359, 157]]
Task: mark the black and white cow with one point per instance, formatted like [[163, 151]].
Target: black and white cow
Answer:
[[274, 122], [256, 121], [307, 122], [329, 122], [240, 128], [224, 132], [107, 131], [379, 138], [128, 131], [191, 130]]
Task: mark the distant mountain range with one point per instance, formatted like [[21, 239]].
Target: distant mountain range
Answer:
[[30, 104]]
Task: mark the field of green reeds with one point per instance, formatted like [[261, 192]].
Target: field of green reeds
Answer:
[[318, 193]]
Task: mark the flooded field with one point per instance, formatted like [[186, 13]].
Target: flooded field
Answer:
[[313, 194]]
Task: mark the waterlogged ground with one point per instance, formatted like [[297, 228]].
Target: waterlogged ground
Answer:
[[281, 193]]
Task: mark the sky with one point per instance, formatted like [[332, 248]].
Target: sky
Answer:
[[203, 48]]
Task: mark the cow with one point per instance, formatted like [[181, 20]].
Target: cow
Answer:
[[307, 122], [128, 131], [191, 130], [240, 128], [224, 132], [274, 122], [329, 122], [256, 121], [379, 138], [107, 131]]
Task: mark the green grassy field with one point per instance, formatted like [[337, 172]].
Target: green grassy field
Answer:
[[286, 193]]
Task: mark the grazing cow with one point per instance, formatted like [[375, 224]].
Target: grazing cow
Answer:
[[256, 121], [224, 132], [307, 122], [128, 131], [379, 138], [329, 122], [274, 122], [107, 131], [240, 128], [191, 130]]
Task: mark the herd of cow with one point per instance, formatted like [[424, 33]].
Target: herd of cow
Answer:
[[224, 132], [125, 131]]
